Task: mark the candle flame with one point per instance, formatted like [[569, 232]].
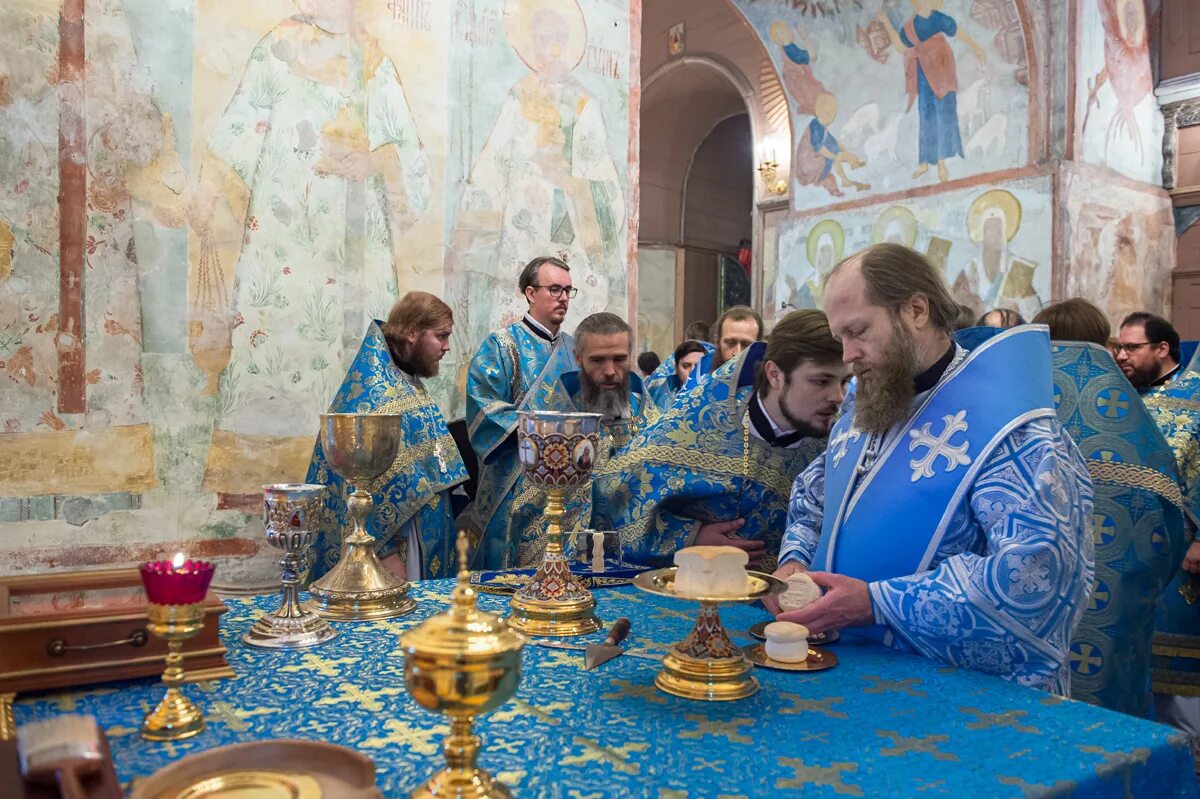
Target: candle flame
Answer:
[[177, 562]]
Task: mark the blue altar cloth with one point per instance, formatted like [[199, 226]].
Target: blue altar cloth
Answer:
[[881, 724]]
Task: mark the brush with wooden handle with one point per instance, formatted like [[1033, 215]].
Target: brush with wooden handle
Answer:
[[70, 750]]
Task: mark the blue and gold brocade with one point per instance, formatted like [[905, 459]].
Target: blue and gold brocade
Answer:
[[698, 464], [1139, 529], [415, 490], [1175, 406], [513, 370]]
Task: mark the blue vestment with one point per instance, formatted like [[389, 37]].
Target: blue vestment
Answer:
[[820, 138], [1175, 406], [699, 463], [971, 522], [414, 495], [663, 384], [1140, 532], [939, 134], [514, 369]]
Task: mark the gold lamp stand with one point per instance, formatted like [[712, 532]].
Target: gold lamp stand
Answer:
[[360, 447], [176, 717], [463, 662], [706, 665], [557, 451]]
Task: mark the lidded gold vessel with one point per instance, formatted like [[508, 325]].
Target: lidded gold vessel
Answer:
[[463, 663]]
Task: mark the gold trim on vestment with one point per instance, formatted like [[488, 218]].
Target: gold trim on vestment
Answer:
[[723, 465], [1132, 475], [1157, 400], [409, 455]]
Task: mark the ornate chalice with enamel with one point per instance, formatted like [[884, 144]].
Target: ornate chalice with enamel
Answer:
[[557, 451]]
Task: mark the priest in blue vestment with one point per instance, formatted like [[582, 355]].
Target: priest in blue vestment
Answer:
[[951, 514], [412, 521], [668, 379], [516, 368], [718, 466], [605, 385]]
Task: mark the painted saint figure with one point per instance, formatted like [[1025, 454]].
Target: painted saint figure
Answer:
[[820, 160], [931, 78], [321, 164], [797, 66]]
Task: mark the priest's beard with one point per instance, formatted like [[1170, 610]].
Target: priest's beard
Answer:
[[610, 403], [885, 390]]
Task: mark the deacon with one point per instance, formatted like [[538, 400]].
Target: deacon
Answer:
[[736, 329], [657, 383], [951, 515], [515, 369], [413, 522], [603, 384], [718, 468], [685, 358], [1148, 353]]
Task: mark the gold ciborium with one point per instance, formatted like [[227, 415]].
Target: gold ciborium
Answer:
[[557, 451], [463, 662], [707, 665], [360, 447], [290, 513]]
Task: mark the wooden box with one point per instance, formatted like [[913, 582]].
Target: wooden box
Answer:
[[60, 630]]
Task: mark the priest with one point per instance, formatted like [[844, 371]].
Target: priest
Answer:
[[718, 468], [951, 514], [515, 369], [605, 385], [413, 522]]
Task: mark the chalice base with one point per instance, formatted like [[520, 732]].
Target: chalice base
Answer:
[[707, 679], [277, 631], [359, 588], [462, 784], [175, 718], [549, 617]]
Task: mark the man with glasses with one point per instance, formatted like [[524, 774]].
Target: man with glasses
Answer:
[[1148, 351], [515, 369]]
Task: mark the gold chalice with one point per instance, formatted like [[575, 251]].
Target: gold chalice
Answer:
[[557, 451], [360, 447], [463, 662], [707, 665]]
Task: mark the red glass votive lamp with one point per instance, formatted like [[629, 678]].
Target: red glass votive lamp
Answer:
[[168, 583]]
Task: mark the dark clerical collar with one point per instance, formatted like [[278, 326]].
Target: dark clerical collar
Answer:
[[1167, 378], [539, 329], [766, 429], [930, 377]]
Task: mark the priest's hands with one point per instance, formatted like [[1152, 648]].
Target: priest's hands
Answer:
[[1191, 560], [724, 534], [846, 603], [785, 570]]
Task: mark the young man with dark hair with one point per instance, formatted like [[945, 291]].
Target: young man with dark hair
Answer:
[[1148, 350], [718, 468], [647, 362], [508, 374]]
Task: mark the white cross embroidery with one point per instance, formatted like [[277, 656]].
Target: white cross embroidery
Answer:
[[437, 450], [955, 455], [841, 441]]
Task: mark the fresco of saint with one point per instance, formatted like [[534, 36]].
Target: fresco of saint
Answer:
[[931, 78], [319, 159]]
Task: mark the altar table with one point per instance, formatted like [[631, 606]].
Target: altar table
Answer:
[[880, 724]]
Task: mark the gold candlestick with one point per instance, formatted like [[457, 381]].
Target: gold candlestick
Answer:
[[462, 663], [557, 451], [176, 717], [706, 664]]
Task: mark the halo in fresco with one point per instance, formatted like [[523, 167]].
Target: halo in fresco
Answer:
[[990, 203], [519, 19], [826, 227], [898, 219]]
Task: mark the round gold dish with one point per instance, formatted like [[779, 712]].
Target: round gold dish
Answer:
[[818, 639], [254, 785], [707, 665], [818, 660]]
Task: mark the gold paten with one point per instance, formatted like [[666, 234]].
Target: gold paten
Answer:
[[818, 660], [462, 663], [176, 717], [557, 452], [253, 785], [360, 447], [707, 665]]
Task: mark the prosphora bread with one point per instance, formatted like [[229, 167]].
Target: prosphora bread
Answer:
[[801, 592], [787, 641], [711, 571]]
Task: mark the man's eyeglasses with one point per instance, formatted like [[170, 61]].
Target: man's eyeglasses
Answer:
[[1130, 349], [556, 291]]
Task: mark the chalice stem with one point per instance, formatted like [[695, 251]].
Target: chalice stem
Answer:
[[173, 675], [291, 586], [359, 505], [554, 515], [462, 747]]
